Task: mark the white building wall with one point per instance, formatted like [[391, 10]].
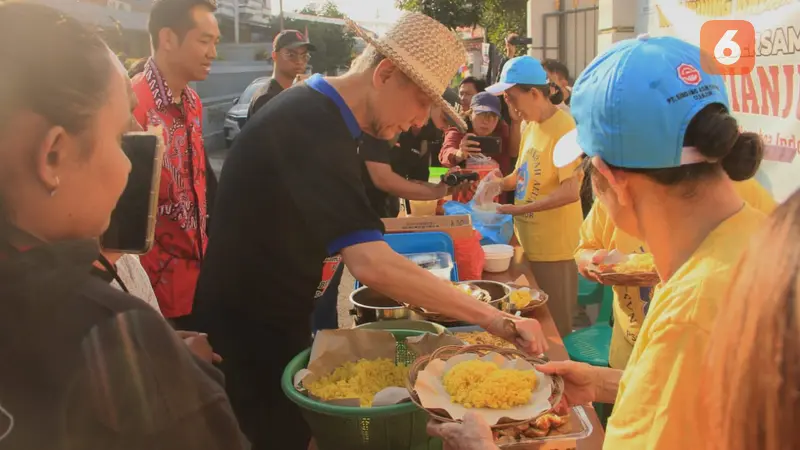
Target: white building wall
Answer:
[[586, 30], [565, 31]]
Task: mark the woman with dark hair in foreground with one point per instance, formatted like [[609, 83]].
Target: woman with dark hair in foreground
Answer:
[[752, 372], [86, 366]]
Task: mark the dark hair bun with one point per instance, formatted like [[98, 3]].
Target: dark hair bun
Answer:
[[745, 157], [715, 134], [557, 97]]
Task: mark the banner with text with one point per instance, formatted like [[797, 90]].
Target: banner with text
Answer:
[[765, 101]]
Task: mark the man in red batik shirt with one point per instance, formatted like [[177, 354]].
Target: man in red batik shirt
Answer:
[[183, 34]]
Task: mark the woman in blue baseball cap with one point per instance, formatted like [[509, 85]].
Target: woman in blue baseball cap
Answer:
[[547, 210], [663, 152]]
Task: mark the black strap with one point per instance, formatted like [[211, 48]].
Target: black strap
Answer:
[[111, 269]]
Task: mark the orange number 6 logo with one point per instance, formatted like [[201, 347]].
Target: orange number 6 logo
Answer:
[[728, 46]]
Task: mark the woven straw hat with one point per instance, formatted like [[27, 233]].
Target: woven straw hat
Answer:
[[426, 51]]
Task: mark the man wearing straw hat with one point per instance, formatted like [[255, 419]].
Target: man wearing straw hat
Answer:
[[292, 204]]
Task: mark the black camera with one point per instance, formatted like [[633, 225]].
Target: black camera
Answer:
[[456, 178], [516, 40]]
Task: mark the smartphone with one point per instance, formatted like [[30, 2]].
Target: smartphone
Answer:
[[133, 221], [490, 145]]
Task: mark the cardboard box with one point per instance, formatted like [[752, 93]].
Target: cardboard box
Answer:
[[429, 223], [464, 232], [458, 227]]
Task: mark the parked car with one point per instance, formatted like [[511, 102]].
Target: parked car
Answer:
[[237, 115]]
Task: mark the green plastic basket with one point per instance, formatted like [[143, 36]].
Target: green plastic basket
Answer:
[[393, 427], [407, 325]]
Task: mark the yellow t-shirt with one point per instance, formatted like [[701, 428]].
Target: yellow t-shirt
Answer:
[[546, 235], [599, 232], [755, 195], [658, 405]]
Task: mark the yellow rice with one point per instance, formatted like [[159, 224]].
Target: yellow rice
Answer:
[[483, 384], [637, 263], [361, 380]]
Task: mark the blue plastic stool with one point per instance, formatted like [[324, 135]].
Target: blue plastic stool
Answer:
[[591, 345], [589, 292]]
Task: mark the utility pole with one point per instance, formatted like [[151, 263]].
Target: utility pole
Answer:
[[236, 20], [280, 5]]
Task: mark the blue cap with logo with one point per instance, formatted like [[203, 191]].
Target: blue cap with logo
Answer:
[[520, 70], [484, 102], [633, 103]]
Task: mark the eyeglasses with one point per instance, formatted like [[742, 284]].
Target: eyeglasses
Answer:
[[294, 56]]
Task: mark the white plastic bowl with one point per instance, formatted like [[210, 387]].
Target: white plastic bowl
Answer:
[[497, 257]]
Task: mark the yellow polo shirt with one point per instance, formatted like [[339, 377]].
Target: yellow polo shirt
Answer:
[[546, 235], [658, 405]]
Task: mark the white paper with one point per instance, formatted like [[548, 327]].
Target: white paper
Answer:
[[433, 395]]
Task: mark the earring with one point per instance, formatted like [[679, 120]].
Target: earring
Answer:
[[53, 191]]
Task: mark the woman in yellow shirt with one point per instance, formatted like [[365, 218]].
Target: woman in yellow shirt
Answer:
[[662, 153], [599, 236], [547, 210], [662, 150]]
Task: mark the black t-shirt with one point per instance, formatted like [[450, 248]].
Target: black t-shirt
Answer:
[[376, 150], [291, 196], [408, 158], [89, 367], [264, 95]]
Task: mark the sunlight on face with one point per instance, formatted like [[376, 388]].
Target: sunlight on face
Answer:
[[199, 47], [397, 104], [520, 101]]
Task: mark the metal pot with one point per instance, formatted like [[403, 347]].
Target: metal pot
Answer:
[[499, 292], [372, 306]]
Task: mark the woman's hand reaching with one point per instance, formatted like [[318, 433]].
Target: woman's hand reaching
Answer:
[[581, 382]]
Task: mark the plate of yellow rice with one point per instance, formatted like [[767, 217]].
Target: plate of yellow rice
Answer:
[[498, 388]]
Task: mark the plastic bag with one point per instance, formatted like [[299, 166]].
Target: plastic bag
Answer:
[[488, 189], [483, 167], [469, 257], [495, 228]]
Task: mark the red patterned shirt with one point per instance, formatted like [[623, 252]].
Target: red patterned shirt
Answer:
[[173, 264]]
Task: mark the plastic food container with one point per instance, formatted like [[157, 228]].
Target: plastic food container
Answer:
[[579, 425], [497, 257], [421, 208], [438, 263]]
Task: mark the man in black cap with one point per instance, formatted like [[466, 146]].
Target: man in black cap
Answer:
[[290, 54]]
